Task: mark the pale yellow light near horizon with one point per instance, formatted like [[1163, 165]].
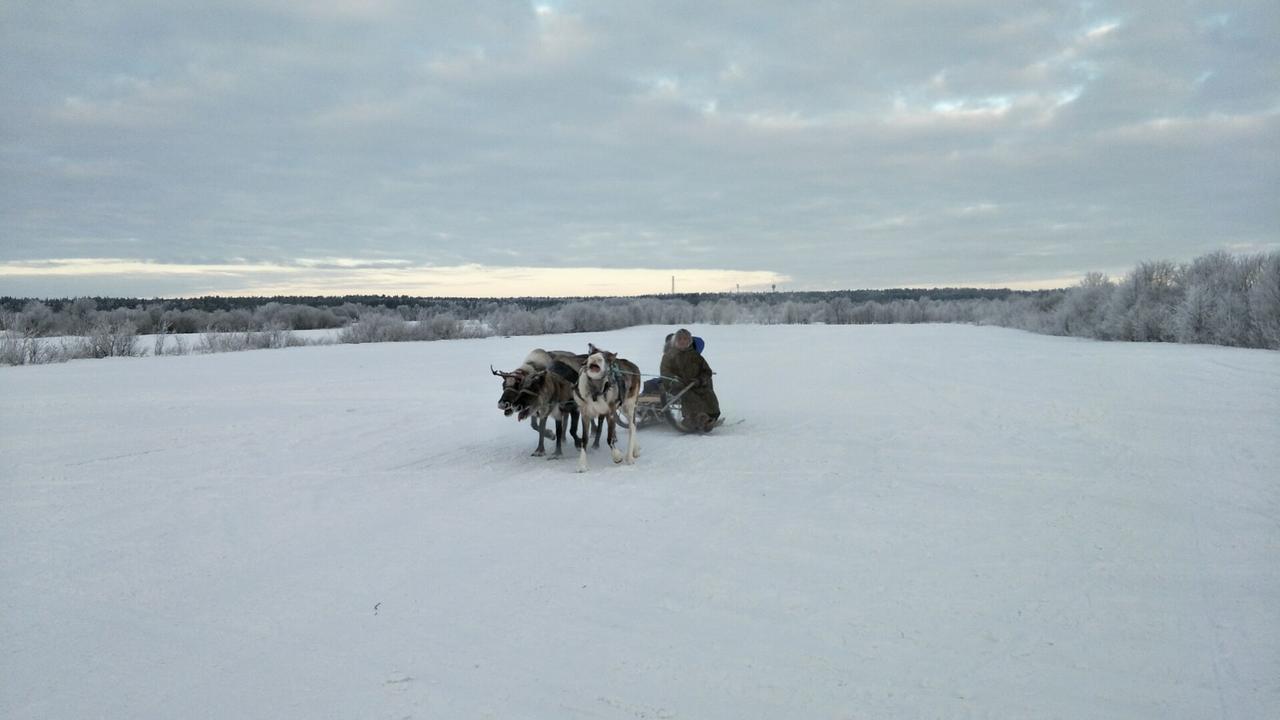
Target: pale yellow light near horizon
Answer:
[[349, 276], [345, 276]]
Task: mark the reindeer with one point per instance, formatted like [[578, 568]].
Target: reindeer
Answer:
[[606, 384], [528, 391], [554, 399]]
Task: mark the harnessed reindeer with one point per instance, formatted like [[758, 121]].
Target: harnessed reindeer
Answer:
[[542, 388], [606, 384]]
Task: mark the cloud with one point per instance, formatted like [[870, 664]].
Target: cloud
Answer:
[[127, 101], [1101, 31], [976, 210], [1212, 129], [561, 36], [1050, 283], [90, 267], [808, 139], [338, 10]]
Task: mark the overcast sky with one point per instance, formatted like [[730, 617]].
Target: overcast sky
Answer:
[[567, 148]]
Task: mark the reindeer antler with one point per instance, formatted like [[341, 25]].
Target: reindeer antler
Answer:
[[514, 374]]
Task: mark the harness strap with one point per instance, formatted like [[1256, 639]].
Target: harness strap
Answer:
[[620, 371], [595, 392], [615, 374]]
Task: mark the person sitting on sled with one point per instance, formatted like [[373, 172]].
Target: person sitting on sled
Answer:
[[682, 364], [655, 385]]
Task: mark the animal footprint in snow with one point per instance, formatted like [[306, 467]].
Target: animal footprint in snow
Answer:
[[398, 681]]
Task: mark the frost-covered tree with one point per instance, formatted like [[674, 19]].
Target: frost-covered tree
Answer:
[[1264, 301], [1082, 311], [36, 320], [839, 311], [80, 315], [1193, 320], [185, 321], [445, 326], [1142, 306], [723, 312], [1218, 300], [238, 320], [375, 327], [797, 313], [516, 321]]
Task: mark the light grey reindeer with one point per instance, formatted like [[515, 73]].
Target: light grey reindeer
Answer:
[[606, 384]]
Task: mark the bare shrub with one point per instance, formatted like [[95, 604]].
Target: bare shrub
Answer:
[[112, 337], [80, 348], [220, 342], [18, 350], [375, 327]]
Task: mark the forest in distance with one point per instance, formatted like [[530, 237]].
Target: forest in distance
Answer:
[[1218, 298]]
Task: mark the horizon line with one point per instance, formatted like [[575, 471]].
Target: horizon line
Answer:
[[566, 298], [343, 277]]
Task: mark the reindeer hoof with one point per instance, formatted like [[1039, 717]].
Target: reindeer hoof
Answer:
[[537, 453]]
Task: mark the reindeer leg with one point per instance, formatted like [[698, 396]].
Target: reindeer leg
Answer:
[[613, 438], [573, 426], [599, 431], [633, 447], [559, 453], [582, 453], [540, 423]]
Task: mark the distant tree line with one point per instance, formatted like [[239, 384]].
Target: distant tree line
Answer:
[[31, 317], [1219, 298], [337, 311]]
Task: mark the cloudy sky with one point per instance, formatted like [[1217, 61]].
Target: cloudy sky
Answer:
[[562, 147]]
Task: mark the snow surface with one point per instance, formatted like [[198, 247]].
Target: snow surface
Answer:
[[913, 521]]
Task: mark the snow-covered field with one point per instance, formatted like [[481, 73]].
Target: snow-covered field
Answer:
[[912, 522]]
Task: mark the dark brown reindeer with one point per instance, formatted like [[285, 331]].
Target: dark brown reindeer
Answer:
[[542, 388]]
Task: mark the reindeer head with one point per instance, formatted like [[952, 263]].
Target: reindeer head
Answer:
[[511, 385], [519, 389], [598, 362]]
